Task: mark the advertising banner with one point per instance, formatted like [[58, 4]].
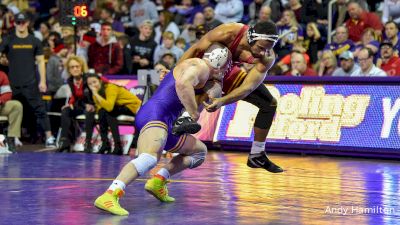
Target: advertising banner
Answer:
[[342, 115]]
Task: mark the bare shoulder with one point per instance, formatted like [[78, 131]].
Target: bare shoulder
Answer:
[[191, 65], [225, 33]]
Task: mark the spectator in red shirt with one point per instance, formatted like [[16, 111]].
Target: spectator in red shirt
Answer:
[[390, 62], [299, 66], [12, 109], [360, 20], [105, 55], [77, 104]]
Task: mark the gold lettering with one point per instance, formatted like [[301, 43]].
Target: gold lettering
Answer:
[[354, 110], [314, 115]]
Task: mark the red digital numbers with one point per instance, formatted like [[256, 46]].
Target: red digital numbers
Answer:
[[80, 11]]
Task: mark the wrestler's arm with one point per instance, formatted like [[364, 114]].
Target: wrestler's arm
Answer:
[[186, 81], [255, 77], [219, 34]]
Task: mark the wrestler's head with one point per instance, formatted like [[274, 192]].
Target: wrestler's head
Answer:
[[218, 57], [262, 38]]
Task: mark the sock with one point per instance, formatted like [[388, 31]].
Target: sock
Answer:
[[257, 147], [117, 184], [164, 173]]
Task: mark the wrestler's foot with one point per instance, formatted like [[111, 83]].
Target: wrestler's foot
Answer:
[[260, 160], [109, 202], [157, 186], [185, 124]]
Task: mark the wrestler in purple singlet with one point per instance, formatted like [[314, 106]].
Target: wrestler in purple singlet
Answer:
[[161, 110]]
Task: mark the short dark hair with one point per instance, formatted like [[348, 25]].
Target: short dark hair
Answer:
[[106, 24], [109, 10], [266, 27], [391, 21]]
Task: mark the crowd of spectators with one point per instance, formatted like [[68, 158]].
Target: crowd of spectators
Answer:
[[124, 36]]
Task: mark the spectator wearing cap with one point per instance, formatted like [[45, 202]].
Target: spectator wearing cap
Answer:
[[341, 42], [366, 61], [360, 20], [299, 66], [348, 68], [142, 47], [55, 67], [107, 15], [392, 35], [167, 45], [390, 61], [105, 55], [209, 16], [169, 59], [24, 51]]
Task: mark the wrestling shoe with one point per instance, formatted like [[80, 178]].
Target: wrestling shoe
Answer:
[[260, 160], [157, 186], [109, 202], [185, 124]]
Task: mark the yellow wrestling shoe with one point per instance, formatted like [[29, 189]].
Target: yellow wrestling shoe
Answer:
[[109, 202], [157, 186]]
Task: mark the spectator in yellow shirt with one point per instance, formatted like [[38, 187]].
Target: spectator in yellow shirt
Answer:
[[111, 101]]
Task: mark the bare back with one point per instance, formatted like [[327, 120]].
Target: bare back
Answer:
[[193, 69]]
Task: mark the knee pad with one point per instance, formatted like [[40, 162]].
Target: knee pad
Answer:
[[265, 116], [197, 159], [144, 163]]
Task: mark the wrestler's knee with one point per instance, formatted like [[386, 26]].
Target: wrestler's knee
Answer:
[[197, 158], [144, 163]]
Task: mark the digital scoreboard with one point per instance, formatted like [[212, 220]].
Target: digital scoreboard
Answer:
[[74, 13]]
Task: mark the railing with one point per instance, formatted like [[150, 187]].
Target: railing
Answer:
[[330, 32]]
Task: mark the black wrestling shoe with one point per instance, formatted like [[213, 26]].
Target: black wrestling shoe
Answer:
[[64, 145], [260, 160], [185, 124]]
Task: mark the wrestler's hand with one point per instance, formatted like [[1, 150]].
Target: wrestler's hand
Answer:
[[215, 104], [195, 116], [269, 59]]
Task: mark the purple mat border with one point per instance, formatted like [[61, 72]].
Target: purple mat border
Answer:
[[333, 80]]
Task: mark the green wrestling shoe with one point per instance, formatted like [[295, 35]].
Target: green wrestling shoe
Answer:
[[157, 186], [109, 202]]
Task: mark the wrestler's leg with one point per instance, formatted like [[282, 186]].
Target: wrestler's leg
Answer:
[[151, 141]]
